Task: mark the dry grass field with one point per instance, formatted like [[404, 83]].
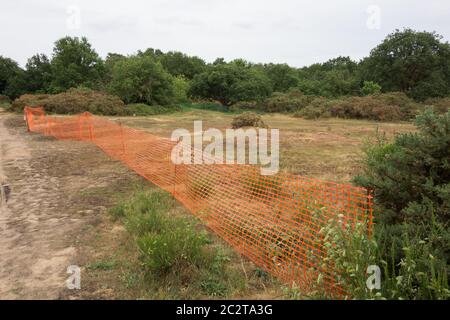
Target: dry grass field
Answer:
[[328, 149]]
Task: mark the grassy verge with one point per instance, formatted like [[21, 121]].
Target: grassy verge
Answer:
[[171, 255]]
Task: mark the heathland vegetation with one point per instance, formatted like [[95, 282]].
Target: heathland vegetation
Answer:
[[406, 77]]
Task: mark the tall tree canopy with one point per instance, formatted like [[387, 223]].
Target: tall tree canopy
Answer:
[[75, 63], [417, 63], [142, 79], [231, 82], [12, 78], [38, 73]]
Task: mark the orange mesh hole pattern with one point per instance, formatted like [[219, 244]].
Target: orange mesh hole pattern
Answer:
[[275, 221]]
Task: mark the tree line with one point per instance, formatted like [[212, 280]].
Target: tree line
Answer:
[[415, 63]]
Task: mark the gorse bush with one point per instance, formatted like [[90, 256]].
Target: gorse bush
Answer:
[[247, 119], [411, 175], [286, 102], [439, 105], [73, 101], [79, 100], [411, 181]]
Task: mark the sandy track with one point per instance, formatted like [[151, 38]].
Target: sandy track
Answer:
[[45, 214]]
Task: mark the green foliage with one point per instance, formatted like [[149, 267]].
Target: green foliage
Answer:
[[38, 73], [175, 256], [247, 119], [411, 179], [12, 78], [350, 250], [181, 65], [74, 64], [231, 82], [282, 76], [370, 88], [180, 89], [334, 78], [142, 79], [417, 63]]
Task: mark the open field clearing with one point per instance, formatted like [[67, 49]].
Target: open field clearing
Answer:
[[328, 149]]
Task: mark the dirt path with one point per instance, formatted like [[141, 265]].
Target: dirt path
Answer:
[[46, 211]]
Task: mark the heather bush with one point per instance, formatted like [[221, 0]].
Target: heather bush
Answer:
[[247, 119], [286, 102], [440, 105], [380, 107]]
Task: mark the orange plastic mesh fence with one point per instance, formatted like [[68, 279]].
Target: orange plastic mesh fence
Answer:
[[273, 220]]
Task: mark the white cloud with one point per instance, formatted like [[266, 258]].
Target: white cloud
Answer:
[[291, 31]]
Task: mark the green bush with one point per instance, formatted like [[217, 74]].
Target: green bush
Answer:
[[370, 88], [411, 181], [247, 119], [32, 100], [142, 79]]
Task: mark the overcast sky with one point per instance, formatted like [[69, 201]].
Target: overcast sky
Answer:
[[286, 31]]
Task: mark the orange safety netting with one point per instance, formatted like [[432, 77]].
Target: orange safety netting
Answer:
[[273, 220]]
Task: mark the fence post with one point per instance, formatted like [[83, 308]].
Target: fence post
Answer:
[[25, 116], [370, 209], [124, 156]]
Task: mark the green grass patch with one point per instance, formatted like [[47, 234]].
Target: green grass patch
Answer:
[[178, 258]]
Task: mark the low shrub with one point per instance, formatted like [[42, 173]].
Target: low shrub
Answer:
[[440, 105], [247, 119], [73, 101], [312, 113], [369, 107], [318, 108], [286, 102], [32, 100], [4, 99]]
